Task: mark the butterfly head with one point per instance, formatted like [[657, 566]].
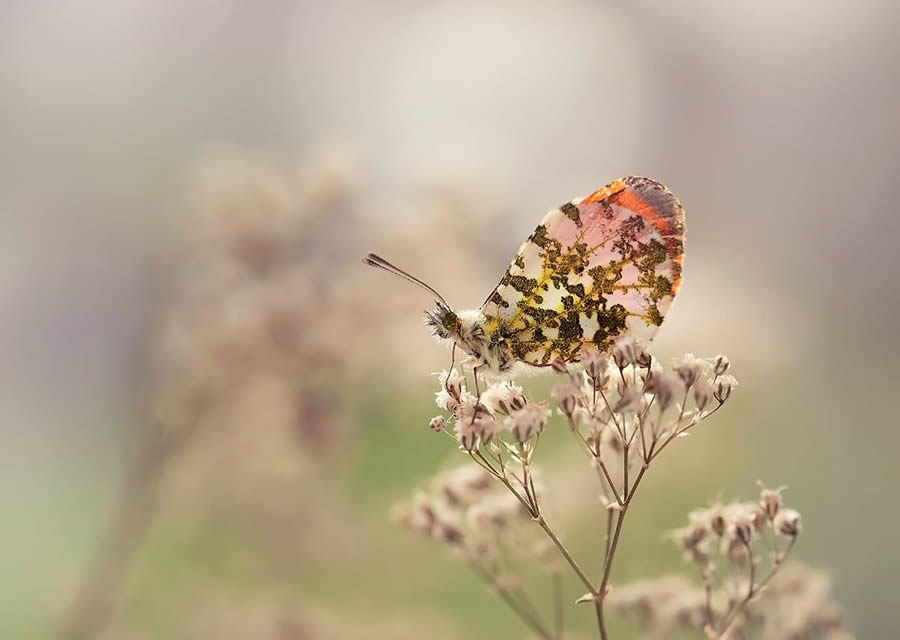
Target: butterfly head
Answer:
[[443, 321]]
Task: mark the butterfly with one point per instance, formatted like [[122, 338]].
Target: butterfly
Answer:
[[594, 269]]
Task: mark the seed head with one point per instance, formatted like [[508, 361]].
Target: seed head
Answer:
[[566, 396], [667, 387], [626, 351], [771, 501], [474, 422], [462, 486], [630, 401], [452, 387], [527, 421], [691, 369], [787, 523], [721, 365], [743, 530], [596, 365], [498, 510], [451, 382], [503, 398], [724, 385], [717, 523], [703, 393], [582, 417], [437, 423]]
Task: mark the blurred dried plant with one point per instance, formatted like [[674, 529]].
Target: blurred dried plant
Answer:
[[792, 604], [257, 329], [245, 346], [623, 410]]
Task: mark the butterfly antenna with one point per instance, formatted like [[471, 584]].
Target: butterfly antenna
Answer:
[[374, 260]]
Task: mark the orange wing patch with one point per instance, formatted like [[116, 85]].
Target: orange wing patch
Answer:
[[602, 194]]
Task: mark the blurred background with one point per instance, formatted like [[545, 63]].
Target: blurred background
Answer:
[[192, 356]]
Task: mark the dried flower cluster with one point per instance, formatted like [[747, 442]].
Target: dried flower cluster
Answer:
[[623, 410], [488, 529], [238, 355], [738, 549], [747, 589]]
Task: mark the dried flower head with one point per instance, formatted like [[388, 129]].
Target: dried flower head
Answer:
[[474, 424], [724, 386], [691, 369], [504, 398], [627, 351], [667, 387], [499, 511], [462, 486], [596, 365], [630, 400], [742, 526], [451, 388], [770, 501], [721, 365], [566, 396], [528, 421], [703, 393], [787, 523]]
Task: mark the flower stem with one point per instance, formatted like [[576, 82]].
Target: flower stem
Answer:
[[610, 556], [753, 591]]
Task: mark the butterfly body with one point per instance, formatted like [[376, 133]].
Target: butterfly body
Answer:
[[593, 269]]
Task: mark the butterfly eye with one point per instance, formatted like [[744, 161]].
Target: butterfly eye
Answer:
[[442, 321], [451, 322]]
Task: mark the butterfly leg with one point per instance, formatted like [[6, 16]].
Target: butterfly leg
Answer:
[[477, 394], [452, 362]]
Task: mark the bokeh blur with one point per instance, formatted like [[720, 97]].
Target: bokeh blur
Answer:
[[209, 406]]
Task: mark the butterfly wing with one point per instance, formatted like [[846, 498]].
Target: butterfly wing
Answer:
[[593, 269]]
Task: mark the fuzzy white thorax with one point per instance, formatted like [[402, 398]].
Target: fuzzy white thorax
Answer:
[[472, 338]]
